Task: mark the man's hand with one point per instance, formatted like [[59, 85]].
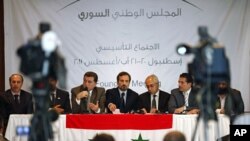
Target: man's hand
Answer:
[[179, 110], [153, 110], [222, 111], [82, 94], [58, 109], [112, 107], [193, 111], [144, 110], [94, 107]]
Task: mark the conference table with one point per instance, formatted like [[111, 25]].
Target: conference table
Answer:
[[125, 127]]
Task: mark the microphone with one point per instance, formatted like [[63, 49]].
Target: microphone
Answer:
[[140, 111], [85, 89]]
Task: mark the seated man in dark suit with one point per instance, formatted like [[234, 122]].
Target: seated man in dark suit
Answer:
[[154, 100], [21, 102], [88, 98], [4, 112], [183, 99], [229, 100], [59, 98], [122, 97], [2, 128]]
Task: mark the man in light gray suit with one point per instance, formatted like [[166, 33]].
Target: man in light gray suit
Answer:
[[88, 98], [183, 99]]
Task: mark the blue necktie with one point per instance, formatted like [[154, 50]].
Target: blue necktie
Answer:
[[122, 106]]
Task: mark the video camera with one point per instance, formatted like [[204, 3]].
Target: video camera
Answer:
[[210, 64], [209, 67], [41, 61]]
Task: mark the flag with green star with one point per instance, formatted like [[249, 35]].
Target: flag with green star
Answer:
[[139, 138]]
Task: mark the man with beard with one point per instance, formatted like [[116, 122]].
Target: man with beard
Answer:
[[229, 100], [122, 97], [59, 98]]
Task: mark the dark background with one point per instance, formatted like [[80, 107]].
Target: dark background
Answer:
[[2, 68]]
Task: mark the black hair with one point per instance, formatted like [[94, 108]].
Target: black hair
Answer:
[[189, 77], [122, 74]]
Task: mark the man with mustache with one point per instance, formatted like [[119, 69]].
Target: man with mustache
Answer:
[[88, 98], [229, 100], [122, 97]]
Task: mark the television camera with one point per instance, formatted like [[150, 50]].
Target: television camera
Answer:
[[40, 61], [209, 66]]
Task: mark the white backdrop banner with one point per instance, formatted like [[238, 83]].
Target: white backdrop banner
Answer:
[[137, 36]]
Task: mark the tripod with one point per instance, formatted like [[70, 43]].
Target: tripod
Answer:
[[41, 129], [207, 109]]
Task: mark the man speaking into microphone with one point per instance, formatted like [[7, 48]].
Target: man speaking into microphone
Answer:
[[88, 98]]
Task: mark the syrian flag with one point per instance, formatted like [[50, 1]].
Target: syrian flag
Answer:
[[123, 127]]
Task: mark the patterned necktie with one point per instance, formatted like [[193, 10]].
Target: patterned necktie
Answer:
[[154, 102], [89, 100], [186, 98], [122, 106]]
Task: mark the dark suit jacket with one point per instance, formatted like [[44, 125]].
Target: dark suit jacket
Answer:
[[145, 102], [26, 103], [234, 104], [113, 96], [2, 138], [177, 100], [98, 94], [62, 98], [4, 108]]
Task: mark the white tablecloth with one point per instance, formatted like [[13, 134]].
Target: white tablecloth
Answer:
[[183, 123]]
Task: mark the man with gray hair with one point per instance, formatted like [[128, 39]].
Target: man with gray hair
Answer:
[[154, 100], [21, 101]]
